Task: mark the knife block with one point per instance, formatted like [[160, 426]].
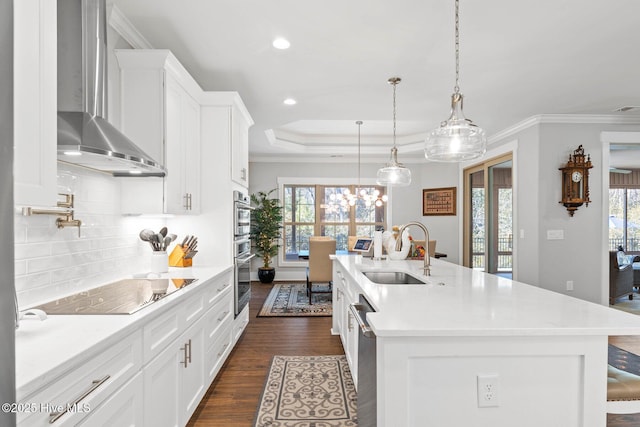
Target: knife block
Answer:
[[177, 259]]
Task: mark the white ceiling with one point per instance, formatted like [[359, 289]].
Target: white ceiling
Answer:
[[518, 59]]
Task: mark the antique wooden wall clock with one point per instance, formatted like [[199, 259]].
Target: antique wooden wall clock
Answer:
[[575, 181]]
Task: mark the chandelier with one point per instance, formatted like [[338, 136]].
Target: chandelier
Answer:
[[374, 198], [394, 173], [458, 138]]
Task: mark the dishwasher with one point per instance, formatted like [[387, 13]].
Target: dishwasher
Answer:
[[367, 387]]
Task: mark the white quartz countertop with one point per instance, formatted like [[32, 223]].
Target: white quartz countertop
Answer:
[[458, 301], [45, 349]]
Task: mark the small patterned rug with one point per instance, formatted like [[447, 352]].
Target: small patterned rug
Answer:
[[291, 299], [308, 391], [624, 360]]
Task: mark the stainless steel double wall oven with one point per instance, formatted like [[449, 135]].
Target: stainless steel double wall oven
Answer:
[[242, 249]]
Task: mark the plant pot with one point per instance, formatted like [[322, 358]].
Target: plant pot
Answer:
[[266, 275]]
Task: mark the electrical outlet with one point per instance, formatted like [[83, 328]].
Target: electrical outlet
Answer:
[[488, 391], [569, 285]]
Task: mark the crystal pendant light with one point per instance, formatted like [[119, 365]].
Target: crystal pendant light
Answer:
[[350, 199], [394, 173], [458, 138]]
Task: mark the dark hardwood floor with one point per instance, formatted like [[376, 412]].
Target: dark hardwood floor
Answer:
[[232, 399]]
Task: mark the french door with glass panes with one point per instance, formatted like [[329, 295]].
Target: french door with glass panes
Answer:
[[488, 216]]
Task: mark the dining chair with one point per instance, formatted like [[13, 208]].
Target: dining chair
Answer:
[[320, 269]]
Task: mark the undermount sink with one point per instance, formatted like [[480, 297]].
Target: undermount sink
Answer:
[[393, 278]]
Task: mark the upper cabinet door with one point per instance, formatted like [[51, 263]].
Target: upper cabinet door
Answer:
[[160, 111], [239, 148], [35, 102], [182, 184]]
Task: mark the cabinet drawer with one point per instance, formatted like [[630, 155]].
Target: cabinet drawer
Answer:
[[240, 323], [72, 397], [219, 317], [163, 329], [193, 308], [121, 409], [218, 289], [219, 351]]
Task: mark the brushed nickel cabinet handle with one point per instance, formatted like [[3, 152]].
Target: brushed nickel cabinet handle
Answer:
[[224, 347], [223, 316], [55, 416], [189, 351], [185, 362]]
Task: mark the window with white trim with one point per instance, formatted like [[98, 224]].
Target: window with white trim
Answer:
[[316, 210]]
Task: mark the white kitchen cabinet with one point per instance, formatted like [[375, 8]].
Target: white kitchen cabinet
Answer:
[[239, 147], [123, 408], [87, 386], [174, 381], [161, 113], [229, 122], [351, 347], [181, 367], [240, 323], [35, 102], [344, 323]]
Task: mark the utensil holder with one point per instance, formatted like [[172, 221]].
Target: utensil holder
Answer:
[[159, 263], [177, 259]]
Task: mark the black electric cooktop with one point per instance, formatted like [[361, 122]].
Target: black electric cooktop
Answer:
[[123, 297]]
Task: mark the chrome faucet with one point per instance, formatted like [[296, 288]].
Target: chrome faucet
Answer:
[[427, 260]]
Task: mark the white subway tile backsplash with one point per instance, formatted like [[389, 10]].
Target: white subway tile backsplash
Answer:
[[20, 268], [51, 263], [31, 250]]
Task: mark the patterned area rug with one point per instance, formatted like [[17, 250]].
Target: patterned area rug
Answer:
[[290, 299], [624, 360], [308, 391]]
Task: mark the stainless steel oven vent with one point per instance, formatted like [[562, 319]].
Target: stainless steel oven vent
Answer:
[[85, 137]]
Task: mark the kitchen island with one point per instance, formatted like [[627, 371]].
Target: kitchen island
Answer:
[[543, 353]]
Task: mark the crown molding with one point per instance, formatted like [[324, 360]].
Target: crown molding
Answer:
[[576, 119], [125, 28]]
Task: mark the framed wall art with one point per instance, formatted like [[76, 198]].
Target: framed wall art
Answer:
[[439, 201]]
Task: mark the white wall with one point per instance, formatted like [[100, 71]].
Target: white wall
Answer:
[[542, 148]]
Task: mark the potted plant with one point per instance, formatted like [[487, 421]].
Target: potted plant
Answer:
[[266, 222]]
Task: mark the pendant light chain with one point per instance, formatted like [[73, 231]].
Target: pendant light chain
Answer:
[[456, 88], [359, 123], [395, 83]]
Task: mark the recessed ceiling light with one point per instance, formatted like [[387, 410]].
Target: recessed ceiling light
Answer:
[[281, 43], [72, 153], [290, 101]]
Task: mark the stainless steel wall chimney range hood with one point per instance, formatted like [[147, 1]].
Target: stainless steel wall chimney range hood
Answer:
[[85, 137]]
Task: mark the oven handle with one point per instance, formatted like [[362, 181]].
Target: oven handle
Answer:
[[240, 205], [245, 259]]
